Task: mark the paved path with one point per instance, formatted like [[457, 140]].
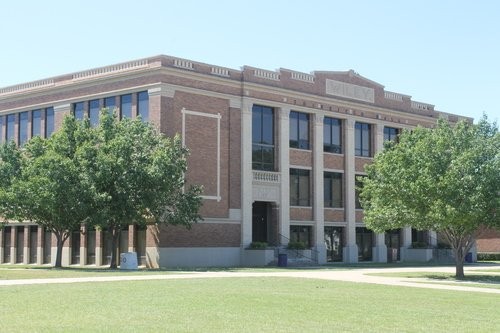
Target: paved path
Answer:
[[350, 275]]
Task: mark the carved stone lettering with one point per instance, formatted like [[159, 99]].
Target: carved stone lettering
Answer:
[[348, 90]]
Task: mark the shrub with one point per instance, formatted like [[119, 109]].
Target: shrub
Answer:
[[419, 245], [258, 245], [296, 246], [488, 256]]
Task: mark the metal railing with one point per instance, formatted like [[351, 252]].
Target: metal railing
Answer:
[[283, 240]]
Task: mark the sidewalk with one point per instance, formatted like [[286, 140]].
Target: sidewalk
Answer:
[[352, 275]]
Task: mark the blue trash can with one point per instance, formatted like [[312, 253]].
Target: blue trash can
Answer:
[[282, 260], [468, 258]]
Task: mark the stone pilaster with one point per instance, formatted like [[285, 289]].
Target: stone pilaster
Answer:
[[284, 165], [246, 174], [39, 246], [380, 249], [350, 253], [318, 188]]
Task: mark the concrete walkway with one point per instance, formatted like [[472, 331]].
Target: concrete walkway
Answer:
[[349, 275]]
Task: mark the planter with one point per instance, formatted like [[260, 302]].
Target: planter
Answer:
[[416, 255], [258, 257]]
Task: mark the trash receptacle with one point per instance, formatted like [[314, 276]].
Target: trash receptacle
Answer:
[[128, 260], [282, 260], [468, 258]]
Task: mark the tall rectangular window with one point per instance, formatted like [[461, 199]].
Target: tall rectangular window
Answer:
[[49, 121], [2, 137], [299, 130], [11, 125], [126, 106], [390, 133], [359, 186], [143, 105], [299, 187], [262, 138], [94, 112], [110, 103], [362, 140], [78, 110], [23, 128], [333, 190], [36, 123], [332, 135]]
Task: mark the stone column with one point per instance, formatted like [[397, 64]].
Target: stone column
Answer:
[[99, 239], [39, 245], [405, 242], [350, 253], [131, 237], [284, 165], [380, 249], [318, 188], [2, 234], [13, 244], [26, 247], [246, 174], [83, 245]]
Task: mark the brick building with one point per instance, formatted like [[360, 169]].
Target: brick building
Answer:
[[277, 153]]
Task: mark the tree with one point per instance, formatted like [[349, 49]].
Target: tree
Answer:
[[10, 168], [50, 188], [138, 175], [445, 179]]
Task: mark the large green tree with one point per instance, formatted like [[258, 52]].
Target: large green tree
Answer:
[[10, 169], [138, 175], [50, 186], [445, 179]]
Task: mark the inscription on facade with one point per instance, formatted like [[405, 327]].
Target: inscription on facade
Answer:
[[348, 90]]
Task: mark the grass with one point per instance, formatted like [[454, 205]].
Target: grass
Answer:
[[243, 305], [472, 280]]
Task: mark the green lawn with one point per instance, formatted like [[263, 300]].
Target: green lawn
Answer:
[[473, 280], [243, 305]]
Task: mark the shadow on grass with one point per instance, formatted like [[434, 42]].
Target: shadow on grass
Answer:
[[478, 278]]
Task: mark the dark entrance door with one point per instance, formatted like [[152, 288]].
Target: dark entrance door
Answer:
[[259, 221], [334, 243], [393, 243]]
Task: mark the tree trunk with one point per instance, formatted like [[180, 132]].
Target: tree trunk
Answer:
[[60, 243], [459, 262], [115, 234]]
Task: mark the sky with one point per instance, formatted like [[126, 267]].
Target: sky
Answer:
[[445, 53]]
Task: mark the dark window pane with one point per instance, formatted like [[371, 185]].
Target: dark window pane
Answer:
[[126, 106], [94, 112], [23, 128], [299, 130], [143, 105], [299, 187], [49, 121], [333, 189], [78, 110], [262, 138], [36, 123], [362, 140], [294, 130], [11, 121], [110, 103]]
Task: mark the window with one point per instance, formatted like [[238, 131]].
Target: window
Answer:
[[23, 128], [110, 103], [390, 134], [126, 106], [301, 233], [299, 187], [49, 121], [36, 123], [299, 130], [143, 105], [333, 189], [363, 140], [1, 129], [78, 110], [359, 186], [11, 122], [262, 138], [94, 112], [332, 134]]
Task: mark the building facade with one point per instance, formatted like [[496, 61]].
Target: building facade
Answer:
[[277, 154]]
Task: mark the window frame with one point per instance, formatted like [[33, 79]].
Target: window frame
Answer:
[[330, 146], [296, 125], [330, 177], [263, 143], [297, 178], [363, 139]]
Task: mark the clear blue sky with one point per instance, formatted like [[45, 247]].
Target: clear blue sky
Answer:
[[445, 53]]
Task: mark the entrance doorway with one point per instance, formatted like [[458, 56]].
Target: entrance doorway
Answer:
[[260, 217], [393, 243], [334, 242], [364, 240]]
